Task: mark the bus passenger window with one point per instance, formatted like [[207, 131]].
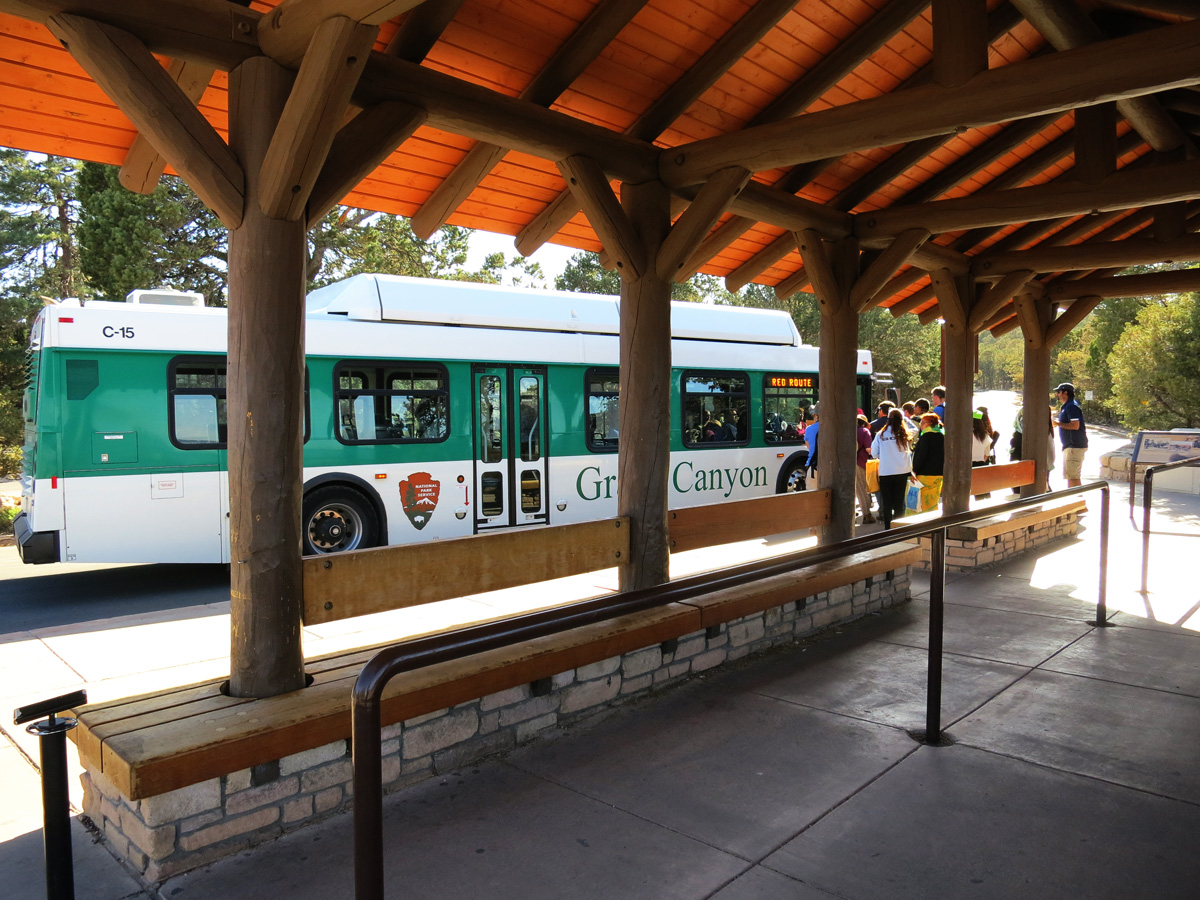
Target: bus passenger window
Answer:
[[602, 393], [491, 440], [531, 491], [530, 438], [788, 399], [196, 403], [391, 403], [715, 409]]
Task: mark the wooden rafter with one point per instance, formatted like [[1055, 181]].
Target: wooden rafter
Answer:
[[884, 266], [603, 209], [1065, 26], [1123, 190], [960, 44], [143, 90], [1066, 322], [668, 107], [698, 218], [314, 111], [1091, 255], [144, 165], [286, 31], [567, 63], [997, 296], [1120, 68], [1126, 285]]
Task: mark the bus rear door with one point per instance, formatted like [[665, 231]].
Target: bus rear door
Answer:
[[510, 447]]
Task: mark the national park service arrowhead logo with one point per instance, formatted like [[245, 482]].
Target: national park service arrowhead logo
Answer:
[[419, 496]]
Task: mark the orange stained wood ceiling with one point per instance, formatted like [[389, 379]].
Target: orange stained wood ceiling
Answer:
[[48, 104]]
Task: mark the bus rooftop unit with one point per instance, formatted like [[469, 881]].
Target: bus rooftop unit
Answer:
[[432, 409]]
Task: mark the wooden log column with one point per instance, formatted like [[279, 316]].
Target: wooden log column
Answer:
[[644, 456], [265, 406], [958, 364], [1034, 316], [835, 268]]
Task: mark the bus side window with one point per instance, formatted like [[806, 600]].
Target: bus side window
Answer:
[[392, 402], [715, 408], [602, 403], [787, 399], [196, 402]]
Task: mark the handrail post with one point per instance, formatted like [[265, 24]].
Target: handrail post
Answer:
[[1102, 592], [1147, 497], [367, 756], [937, 594]]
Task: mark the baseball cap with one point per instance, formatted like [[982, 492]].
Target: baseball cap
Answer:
[[1065, 386]]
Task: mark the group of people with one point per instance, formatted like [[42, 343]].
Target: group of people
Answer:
[[909, 443]]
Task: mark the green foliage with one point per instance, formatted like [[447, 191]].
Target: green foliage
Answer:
[[164, 239], [1155, 363], [1001, 362], [7, 514], [10, 461], [353, 241]]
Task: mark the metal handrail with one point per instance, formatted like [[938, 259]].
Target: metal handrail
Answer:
[[366, 718], [1147, 497]]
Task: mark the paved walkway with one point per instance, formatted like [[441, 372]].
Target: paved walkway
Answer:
[[792, 776]]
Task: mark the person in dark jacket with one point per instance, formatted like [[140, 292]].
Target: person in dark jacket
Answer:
[[929, 459]]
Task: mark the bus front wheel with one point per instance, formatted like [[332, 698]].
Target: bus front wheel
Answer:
[[337, 519], [793, 475]]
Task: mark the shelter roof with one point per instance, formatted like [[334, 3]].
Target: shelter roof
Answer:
[[949, 138]]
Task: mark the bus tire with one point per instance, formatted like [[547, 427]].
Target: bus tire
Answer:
[[338, 518], [793, 475]]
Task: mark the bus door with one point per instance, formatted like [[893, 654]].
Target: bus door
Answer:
[[510, 447]]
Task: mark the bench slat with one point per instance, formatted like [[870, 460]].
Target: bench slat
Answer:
[[985, 479], [1021, 519], [734, 603], [369, 581], [742, 520]]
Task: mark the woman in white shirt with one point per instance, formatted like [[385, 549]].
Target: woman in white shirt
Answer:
[[893, 449]]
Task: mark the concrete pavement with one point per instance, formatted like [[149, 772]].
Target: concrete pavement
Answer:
[[791, 776]]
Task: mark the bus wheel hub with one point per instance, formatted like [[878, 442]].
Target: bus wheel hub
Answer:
[[328, 529]]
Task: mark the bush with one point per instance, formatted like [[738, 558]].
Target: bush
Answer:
[[7, 514], [10, 461]]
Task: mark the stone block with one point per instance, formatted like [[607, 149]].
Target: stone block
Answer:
[[504, 698], [590, 693], [325, 800], [530, 709], [641, 662], [633, 685], [237, 781], [489, 722], [709, 659], [690, 645], [197, 822], [440, 733], [417, 721], [390, 769], [528, 729], [272, 792], [307, 759], [180, 804], [746, 631], [562, 679], [598, 669], [156, 843], [229, 828], [472, 751], [391, 732], [296, 810], [338, 772]]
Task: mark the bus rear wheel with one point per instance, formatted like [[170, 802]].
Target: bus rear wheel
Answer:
[[793, 476], [337, 519]]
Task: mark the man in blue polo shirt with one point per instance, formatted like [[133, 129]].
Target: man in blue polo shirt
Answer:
[[1072, 433]]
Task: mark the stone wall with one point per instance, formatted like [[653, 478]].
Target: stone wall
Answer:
[[164, 835], [964, 555]]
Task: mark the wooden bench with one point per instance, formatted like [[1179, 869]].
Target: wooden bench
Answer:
[[1024, 518], [149, 745]]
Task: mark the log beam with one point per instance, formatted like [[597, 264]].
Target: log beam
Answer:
[[1095, 142], [958, 362], [358, 149], [997, 296], [960, 40], [1066, 322], [591, 188], [1124, 67], [285, 33], [897, 254], [1146, 185], [1034, 317], [316, 108], [698, 219], [144, 165], [131, 76], [1129, 252], [1175, 282]]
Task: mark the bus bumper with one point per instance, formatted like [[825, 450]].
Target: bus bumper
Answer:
[[34, 547]]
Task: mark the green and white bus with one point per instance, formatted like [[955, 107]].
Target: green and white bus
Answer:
[[433, 409]]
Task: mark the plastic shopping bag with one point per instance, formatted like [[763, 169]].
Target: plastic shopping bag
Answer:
[[912, 498]]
